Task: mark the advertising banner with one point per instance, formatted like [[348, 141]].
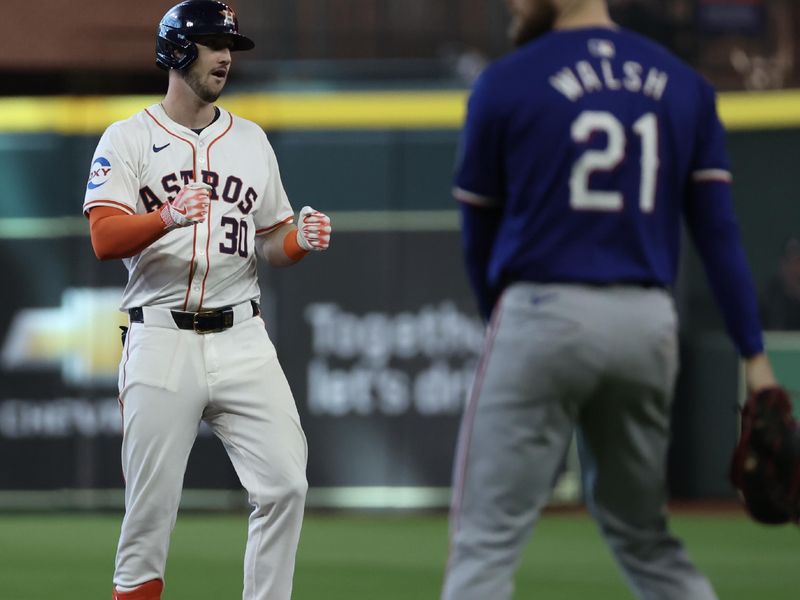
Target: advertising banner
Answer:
[[378, 338]]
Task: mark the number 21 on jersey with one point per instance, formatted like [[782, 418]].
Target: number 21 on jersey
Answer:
[[581, 197]]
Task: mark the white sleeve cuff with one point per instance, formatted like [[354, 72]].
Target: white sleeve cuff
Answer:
[[474, 199], [712, 175]]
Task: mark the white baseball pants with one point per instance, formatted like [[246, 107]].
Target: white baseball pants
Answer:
[[170, 380]]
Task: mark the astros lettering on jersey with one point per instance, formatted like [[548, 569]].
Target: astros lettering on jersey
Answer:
[[144, 161]]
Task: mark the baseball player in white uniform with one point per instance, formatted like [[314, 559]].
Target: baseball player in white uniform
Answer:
[[187, 194]]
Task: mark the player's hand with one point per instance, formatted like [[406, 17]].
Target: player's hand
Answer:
[[758, 373], [313, 229], [189, 207]]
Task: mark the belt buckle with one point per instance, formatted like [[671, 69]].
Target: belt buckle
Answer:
[[198, 327]]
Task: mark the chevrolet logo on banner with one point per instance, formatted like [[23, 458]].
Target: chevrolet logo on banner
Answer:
[[81, 337]]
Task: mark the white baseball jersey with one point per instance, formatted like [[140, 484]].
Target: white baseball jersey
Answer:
[[144, 161]]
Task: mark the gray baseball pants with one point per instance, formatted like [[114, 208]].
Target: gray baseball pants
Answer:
[[599, 359]]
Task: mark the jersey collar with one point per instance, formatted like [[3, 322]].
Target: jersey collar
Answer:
[[212, 131]]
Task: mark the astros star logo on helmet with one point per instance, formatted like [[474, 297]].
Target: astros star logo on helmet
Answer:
[[229, 16]]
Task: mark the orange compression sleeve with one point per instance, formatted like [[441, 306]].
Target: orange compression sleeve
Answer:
[[116, 234], [291, 247]]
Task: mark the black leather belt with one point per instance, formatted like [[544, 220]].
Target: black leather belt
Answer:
[[205, 321]]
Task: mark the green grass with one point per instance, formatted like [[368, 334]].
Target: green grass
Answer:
[[70, 557]]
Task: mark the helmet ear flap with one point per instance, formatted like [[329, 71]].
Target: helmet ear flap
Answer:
[[174, 51]]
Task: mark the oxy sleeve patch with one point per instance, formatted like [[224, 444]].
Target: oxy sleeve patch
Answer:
[[99, 173]]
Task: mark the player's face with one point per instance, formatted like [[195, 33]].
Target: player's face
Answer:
[[530, 19], [207, 75]]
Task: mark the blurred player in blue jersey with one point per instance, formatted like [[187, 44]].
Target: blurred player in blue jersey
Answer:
[[582, 152]]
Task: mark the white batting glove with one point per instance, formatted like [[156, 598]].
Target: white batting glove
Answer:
[[313, 229], [189, 207]]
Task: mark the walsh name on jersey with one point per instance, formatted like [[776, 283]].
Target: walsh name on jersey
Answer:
[[584, 78]]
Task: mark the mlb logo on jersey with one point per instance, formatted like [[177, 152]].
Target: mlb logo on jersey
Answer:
[[99, 173], [602, 48]]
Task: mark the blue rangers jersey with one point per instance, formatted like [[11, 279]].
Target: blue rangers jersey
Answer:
[[581, 153]]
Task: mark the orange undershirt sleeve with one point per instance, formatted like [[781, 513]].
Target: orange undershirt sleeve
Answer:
[[291, 247], [116, 234]]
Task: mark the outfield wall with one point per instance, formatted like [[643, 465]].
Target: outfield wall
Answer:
[[378, 337]]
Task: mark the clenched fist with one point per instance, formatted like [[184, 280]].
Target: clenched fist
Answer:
[[189, 207], [313, 229]]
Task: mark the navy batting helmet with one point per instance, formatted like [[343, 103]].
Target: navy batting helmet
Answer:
[[185, 21]]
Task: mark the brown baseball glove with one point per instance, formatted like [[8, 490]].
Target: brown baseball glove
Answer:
[[766, 463]]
